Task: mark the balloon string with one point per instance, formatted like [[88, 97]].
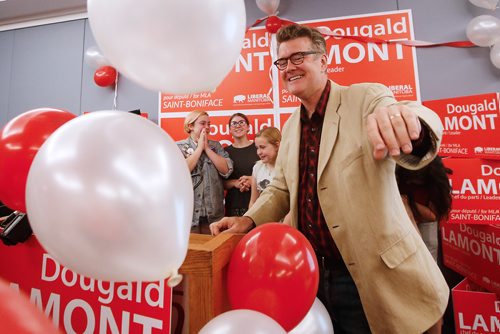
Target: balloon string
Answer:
[[256, 23], [364, 39], [271, 48], [414, 43], [116, 91], [270, 91]]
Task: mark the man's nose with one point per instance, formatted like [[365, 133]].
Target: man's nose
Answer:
[[290, 65]]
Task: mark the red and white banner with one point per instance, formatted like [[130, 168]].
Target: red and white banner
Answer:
[[476, 311], [78, 304], [351, 61], [473, 251], [471, 125], [252, 87], [219, 127], [476, 191]]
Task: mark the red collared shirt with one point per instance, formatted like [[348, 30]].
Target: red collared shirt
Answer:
[[311, 220]]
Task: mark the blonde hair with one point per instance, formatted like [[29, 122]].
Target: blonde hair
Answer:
[[271, 134], [191, 118]]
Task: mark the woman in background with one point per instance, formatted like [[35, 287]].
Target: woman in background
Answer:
[[209, 164], [244, 155], [427, 196], [427, 193]]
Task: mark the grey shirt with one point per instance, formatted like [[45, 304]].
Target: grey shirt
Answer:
[[207, 181]]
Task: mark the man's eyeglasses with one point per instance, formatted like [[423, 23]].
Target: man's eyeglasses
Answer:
[[237, 123], [296, 58]]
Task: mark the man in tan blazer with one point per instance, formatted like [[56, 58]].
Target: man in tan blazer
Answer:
[[335, 174]]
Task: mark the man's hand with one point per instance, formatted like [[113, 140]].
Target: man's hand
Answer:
[[232, 225], [391, 130]]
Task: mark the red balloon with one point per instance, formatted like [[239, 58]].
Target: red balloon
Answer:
[[20, 140], [273, 24], [105, 76], [19, 315], [273, 270]]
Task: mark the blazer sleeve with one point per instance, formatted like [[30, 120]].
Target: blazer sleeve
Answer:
[[378, 95], [274, 202]]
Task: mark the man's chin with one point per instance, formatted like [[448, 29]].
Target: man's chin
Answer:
[[293, 89]]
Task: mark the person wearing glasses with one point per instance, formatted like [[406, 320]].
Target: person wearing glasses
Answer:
[[209, 165], [244, 155], [335, 174]]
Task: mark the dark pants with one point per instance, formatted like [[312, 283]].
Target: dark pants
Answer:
[[338, 293], [203, 226]]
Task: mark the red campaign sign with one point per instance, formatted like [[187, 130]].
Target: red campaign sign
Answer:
[[283, 118], [219, 127], [470, 125], [78, 304], [351, 61], [475, 190], [246, 87], [473, 251], [253, 86], [476, 311]]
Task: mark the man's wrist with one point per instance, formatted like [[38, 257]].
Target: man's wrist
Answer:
[[250, 223], [423, 143]]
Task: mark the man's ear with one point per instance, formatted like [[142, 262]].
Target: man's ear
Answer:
[[324, 62]]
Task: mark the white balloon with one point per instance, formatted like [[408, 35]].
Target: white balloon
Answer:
[[495, 55], [94, 58], [488, 4], [171, 46], [268, 6], [242, 322], [109, 196], [484, 30], [316, 321]]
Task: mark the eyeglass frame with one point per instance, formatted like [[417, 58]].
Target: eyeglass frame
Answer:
[[233, 124], [303, 54]]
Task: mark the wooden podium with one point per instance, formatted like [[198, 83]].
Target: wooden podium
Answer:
[[204, 271]]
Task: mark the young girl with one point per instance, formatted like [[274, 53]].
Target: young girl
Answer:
[[267, 142]]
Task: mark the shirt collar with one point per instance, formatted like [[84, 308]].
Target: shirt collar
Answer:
[[320, 107]]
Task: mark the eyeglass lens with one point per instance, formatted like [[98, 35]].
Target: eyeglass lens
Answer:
[[238, 123]]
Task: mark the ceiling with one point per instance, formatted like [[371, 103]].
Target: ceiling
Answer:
[[19, 11]]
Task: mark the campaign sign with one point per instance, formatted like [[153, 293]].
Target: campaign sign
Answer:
[[253, 85], [219, 127], [476, 191], [352, 61], [77, 304], [473, 251], [284, 117], [476, 311], [247, 86], [471, 125]]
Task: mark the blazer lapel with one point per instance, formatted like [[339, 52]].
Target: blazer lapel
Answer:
[[292, 161], [330, 128]]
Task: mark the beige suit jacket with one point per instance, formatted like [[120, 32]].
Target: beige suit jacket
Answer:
[[401, 287]]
